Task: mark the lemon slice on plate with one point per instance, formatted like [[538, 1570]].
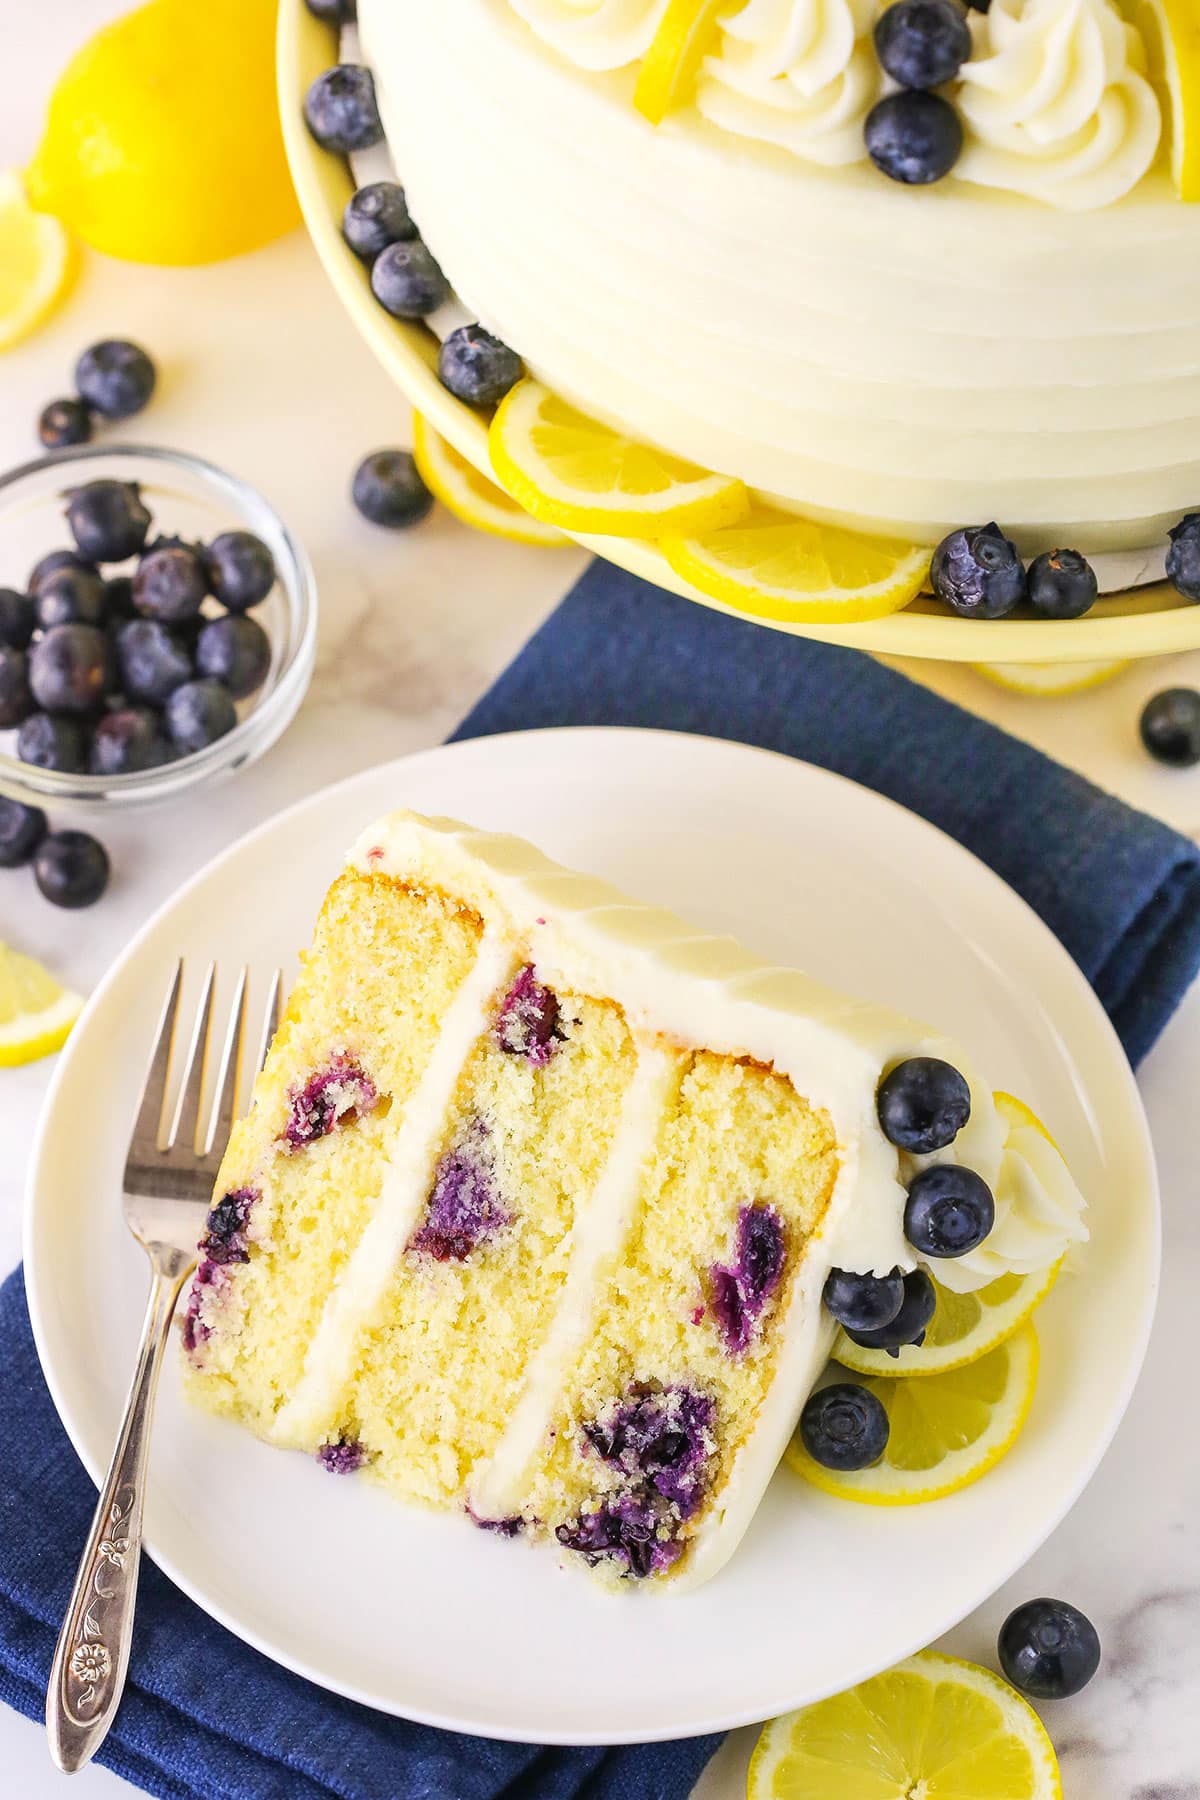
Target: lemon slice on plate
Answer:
[[1171, 30], [36, 1012], [932, 1726], [573, 472], [1048, 679], [35, 261], [775, 565], [668, 73], [963, 1328], [945, 1431], [470, 496]]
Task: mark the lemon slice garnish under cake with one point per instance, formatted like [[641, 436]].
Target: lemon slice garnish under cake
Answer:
[[944, 1432], [573, 472], [776, 565], [670, 67], [35, 261], [963, 1328], [36, 1011], [470, 496], [932, 1726], [1171, 29]]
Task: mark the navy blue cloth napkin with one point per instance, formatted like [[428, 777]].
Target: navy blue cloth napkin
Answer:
[[205, 1717]]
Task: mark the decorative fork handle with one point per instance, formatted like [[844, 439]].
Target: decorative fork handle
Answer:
[[87, 1676]]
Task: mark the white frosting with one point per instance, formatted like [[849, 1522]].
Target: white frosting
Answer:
[[362, 1284], [594, 34], [799, 73], [1056, 102]]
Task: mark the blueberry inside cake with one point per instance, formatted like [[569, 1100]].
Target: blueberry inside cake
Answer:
[[540, 1189]]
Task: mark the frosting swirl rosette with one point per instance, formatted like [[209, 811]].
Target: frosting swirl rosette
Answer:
[[1056, 103], [594, 34]]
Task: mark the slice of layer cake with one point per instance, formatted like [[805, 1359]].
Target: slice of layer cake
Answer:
[[537, 1197]]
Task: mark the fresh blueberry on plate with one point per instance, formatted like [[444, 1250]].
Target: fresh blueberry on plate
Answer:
[[170, 584], [241, 570], [913, 137], [949, 1211], [51, 741], [108, 520], [1183, 557], [16, 701], [1049, 1649], [922, 43], [71, 669], [22, 829], [115, 378], [64, 423], [1170, 727], [70, 597], [127, 741], [477, 367], [52, 562], [375, 216], [407, 281], [16, 618], [923, 1104], [387, 489], [844, 1426], [340, 109], [153, 661], [1062, 585], [71, 868], [197, 714], [333, 12], [977, 572], [234, 651], [908, 1326], [863, 1302]]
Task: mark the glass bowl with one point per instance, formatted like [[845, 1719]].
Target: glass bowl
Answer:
[[197, 500]]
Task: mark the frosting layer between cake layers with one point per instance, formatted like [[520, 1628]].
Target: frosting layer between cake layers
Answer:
[[904, 360]]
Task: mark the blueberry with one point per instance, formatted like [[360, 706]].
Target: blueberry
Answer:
[[108, 520], [407, 282], [913, 137], [1049, 1649], [235, 652], [197, 714], [922, 43], [844, 1426], [863, 1302], [170, 584], [241, 570], [71, 868], [153, 661], [70, 597], [49, 741], [949, 1211], [16, 618], [64, 423], [340, 109], [923, 1104], [22, 829], [333, 12], [977, 572], [71, 669], [1170, 727], [388, 490], [16, 701], [376, 216], [1183, 557], [51, 563], [115, 378], [127, 741], [908, 1326], [477, 367], [1062, 585], [118, 599]]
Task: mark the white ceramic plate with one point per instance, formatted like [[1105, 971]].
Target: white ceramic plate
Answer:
[[421, 1615]]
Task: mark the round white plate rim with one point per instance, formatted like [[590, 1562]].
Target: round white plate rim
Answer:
[[94, 1457]]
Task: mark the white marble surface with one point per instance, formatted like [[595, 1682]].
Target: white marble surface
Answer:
[[262, 372]]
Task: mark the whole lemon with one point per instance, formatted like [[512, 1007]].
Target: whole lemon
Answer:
[[162, 143]]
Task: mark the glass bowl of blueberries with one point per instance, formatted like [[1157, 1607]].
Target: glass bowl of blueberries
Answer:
[[157, 626]]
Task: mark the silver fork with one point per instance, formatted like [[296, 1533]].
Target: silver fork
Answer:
[[168, 1189]]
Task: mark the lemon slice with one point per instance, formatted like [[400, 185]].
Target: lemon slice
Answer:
[[35, 261], [946, 1431], [932, 1727], [1171, 30], [775, 565], [571, 471], [963, 1328], [470, 496], [668, 75], [1049, 678], [36, 1012]]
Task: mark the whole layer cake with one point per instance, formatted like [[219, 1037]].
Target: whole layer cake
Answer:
[[740, 286], [534, 1208]]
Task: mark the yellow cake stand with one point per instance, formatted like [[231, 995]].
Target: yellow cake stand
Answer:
[[1146, 621]]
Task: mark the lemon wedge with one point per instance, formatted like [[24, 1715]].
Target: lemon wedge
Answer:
[[963, 1328], [1049, 679], [932, 1726], [1171, 30], [36, 1012], [668, 74], [775, 565], [162, 143], [35, 261], [470, 496], [945, 1431], [573, 472]]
